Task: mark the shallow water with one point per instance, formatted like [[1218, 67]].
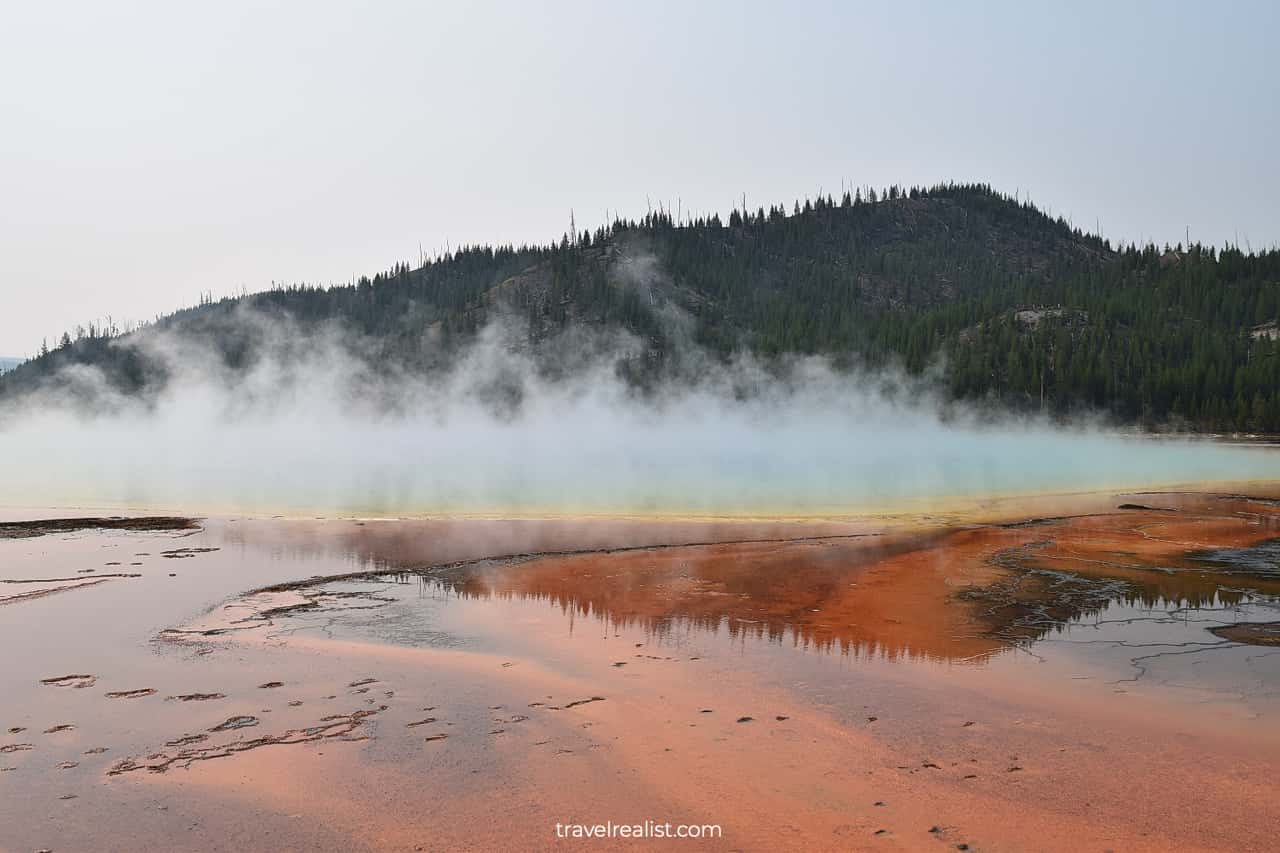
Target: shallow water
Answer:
[[1130, 640], [1011, 685]]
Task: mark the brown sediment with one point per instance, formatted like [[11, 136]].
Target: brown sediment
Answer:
[[334, 727], [182, 553], [73, 580], [70, 681], [197, 697], [575, 703], [42, 592], [241, 721], [131, 694], [42, 527], [1253, 633]]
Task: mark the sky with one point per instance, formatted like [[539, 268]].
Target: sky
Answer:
[[152, 152]]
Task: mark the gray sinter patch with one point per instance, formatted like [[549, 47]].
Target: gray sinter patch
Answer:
[[1260, 560]]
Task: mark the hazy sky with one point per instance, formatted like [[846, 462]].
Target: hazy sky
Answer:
[[153, 151]]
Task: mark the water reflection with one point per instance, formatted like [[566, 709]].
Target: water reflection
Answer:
[[671, 598], [957, 595]]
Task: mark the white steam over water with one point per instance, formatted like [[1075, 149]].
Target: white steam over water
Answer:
[[320, 431]]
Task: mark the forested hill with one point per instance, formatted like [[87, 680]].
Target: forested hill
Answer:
[[1018, 307]]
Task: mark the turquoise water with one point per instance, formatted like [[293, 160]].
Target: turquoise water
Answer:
[[597, 461]]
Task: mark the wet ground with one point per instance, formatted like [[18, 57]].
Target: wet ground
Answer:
[[1098, 672]]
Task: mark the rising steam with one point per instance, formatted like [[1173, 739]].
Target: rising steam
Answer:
[[316, 424]]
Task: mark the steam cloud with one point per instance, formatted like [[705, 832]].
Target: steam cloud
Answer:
[[316, 425]]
